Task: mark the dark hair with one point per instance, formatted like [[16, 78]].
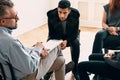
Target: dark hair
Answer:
[[64, 4], [3, 6], [113, 5]]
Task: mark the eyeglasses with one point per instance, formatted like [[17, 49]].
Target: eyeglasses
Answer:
[[16, 18]]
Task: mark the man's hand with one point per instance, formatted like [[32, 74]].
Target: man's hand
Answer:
[[64, 44], [44, 53], [110, 55]]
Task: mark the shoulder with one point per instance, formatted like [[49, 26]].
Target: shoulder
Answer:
[[52, 13], [75, 13], [106, 7], [5, 42]]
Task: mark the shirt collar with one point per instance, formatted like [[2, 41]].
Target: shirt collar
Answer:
[[6, 29]]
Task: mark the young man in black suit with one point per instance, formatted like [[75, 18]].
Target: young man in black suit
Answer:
[[63, 24]]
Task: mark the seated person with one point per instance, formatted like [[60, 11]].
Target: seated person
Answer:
[[27, 63], [105, 65], [63, 23], [111, 27]]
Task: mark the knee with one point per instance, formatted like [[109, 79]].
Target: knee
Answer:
[[100, 34], [60, 61], [81, 65]]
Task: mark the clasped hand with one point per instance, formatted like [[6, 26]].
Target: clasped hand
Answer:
[[113, 31], [64, 44], [109, 55]]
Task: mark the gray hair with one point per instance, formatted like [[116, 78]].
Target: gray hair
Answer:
[[4, 4]]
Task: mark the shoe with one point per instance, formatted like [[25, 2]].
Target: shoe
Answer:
[[76, 75], [48, 75], [69, 67]]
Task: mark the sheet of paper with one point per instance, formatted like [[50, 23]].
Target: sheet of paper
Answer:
[[51, 44]]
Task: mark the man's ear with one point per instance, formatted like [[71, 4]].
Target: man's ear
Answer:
[[2, 21], [69, 10]]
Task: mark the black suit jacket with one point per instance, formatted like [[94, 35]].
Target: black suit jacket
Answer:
[[72, 25]]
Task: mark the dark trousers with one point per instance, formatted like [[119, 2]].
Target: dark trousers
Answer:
[[104, 40], [99, 41], [75, 52], [97, 65]]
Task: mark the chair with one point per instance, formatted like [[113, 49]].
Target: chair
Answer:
[[2, 73], [111, 43], [97, 77]]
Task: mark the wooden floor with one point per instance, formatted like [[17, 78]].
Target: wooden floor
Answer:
[[41, 33], [90, 29]]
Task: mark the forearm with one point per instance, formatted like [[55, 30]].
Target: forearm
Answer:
[[28, 62], [105, 26], [28, 58], [111, 29]]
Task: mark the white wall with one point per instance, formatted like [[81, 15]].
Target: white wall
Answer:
[[32, 14], [91, 12]]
